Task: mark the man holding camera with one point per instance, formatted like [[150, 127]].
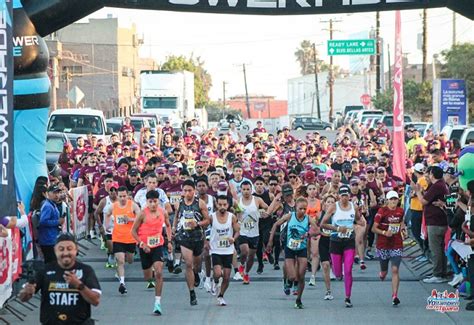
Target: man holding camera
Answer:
[[68, 287]]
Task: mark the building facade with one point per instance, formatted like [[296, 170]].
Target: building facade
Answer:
[[261, 107], [101, 59]]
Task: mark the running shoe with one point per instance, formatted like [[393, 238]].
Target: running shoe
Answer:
[[348, 303], [328, 295], [362, 265], [102, 244], [238, 277], [286, 289], [202, 278], [169, 265], [157, 309], [260, 269], [177, 269], [192, 298], [92, 234], [150, 284], [246, 279], [331, 275], [368, 255], [109, 265], [456, 280], [122, 289], [356, 260], [276, 267], [221, 301], [208, 285], [312, 281], [241, 269], [433, 279], [197, 280], [299, 304], [395, 301]]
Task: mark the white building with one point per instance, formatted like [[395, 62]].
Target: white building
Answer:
[[347, 91]]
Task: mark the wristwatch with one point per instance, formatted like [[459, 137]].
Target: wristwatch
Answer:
[[81, 286]]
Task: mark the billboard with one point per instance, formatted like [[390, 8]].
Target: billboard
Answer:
[[449, 103]]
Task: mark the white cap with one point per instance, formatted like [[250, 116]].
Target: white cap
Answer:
[[419, 167], [392, 194]]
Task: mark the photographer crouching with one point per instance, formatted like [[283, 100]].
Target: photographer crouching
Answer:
[[68, 287]]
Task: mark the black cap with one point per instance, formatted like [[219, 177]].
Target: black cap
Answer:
[[64, 236], [133, 172], [54, 188], [287, 190], [344, 190], [450, 170]]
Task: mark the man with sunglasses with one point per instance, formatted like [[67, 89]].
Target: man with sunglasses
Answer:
[[200, 171]]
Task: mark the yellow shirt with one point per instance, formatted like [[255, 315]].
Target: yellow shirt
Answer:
[[415, 203], [413, 142]]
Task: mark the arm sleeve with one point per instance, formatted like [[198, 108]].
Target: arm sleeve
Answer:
[[22, 222], [45, 217], [90, 280]]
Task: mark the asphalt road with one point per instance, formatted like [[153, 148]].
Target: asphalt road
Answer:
[[263, 301]]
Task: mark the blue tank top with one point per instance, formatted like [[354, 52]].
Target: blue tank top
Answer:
[[297, 230]]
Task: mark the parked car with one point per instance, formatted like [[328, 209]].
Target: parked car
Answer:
[[76, 122], [115, 123], [360, 114], [153, 120], [349, 119], [310, 123], [422, 127], [54, 147], [467, 136], [454, 131], [351, 108], [387, 119], [224, 124]]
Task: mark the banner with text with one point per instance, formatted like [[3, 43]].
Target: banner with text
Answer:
[[7, 180], [79, 214], [6, 276], [450, 103]]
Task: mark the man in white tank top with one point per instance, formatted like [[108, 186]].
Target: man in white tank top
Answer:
[[248, 241], [104, 207], [202, 187], [224, 232]]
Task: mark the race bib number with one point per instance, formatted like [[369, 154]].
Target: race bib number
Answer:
[[394, 228], [347, 234], [122, 220], [153, 241], [188, 220], [174, 199], [295, 244], [249, 225], [223, 243]]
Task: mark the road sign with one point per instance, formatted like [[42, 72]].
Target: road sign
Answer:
[[351, 47], [365, 99], [75, 95]]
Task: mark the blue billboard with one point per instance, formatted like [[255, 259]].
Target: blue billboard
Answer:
[[449, 103]]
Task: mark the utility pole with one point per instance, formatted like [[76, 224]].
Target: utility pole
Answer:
[[425, 46], [331, 69], [454, 28], [247, 103], [378, 54], [316, 84], [223, 99]]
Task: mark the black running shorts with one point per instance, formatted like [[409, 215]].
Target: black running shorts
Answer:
[[251, 241], [123, 248], [148, 259], [223, 260], [196, 246]]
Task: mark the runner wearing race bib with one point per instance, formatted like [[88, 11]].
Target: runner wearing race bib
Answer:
[[391, 230], [249, 235], [191, 218], [296, 251], [124, 212], [147, 230], [340, 219], [224, 232]]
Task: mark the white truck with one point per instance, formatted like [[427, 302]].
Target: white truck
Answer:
[[168, 94]]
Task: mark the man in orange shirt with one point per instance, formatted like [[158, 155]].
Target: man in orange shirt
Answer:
[[124, 212]]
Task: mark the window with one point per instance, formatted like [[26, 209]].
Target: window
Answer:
[[456, 134], [160, 102], [469, 137], [77, 124], [54, 145]]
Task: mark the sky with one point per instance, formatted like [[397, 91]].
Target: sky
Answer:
[[266, 44]]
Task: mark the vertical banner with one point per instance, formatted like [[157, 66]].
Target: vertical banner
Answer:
[[79, 214], [7, 181], [399, 149], [5, 268], [17, 251], [450, 103]]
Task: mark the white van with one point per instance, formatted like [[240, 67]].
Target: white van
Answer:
[[467, 137], [76, 122]]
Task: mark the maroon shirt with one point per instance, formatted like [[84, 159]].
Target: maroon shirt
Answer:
[[434, 215], [389, 220], [87, 174], [173, 191]]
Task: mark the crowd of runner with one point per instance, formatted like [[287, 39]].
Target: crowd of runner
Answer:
[[208, 203]]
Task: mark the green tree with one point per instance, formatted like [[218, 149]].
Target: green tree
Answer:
[[305, 57], [459, 63], [215, 111], [417, 99], [202, 78]]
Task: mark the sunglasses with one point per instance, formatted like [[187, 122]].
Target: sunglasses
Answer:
[[371, 172], [292, 176], [381, 171], [354, 184], [273, 184]]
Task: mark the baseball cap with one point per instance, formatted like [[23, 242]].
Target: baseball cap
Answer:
[[419, 167], [287, 190], [391, 195], [133, 172], [66, 237], [381, 169], [344, 190], [219, 162], [309, 176], [450, 170], [173, 170], [115, 185], [370, 168], [354, 160], [54, 188], [160, 170], [191, 164], [354, 180]]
